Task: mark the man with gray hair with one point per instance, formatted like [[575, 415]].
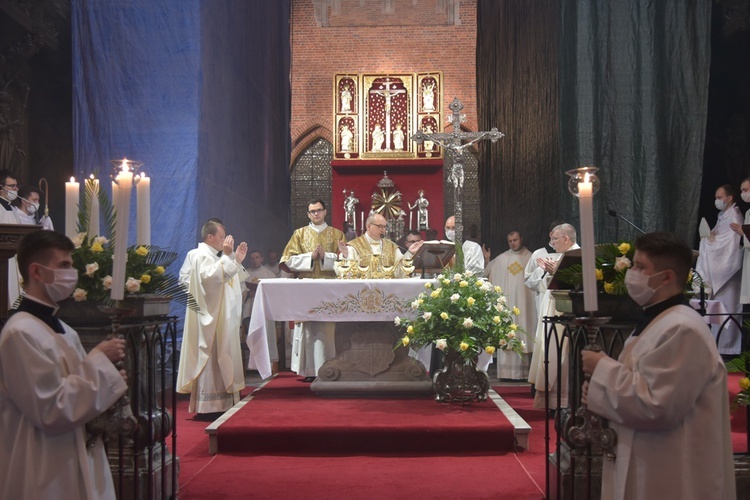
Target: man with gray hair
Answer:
[[562, 239]]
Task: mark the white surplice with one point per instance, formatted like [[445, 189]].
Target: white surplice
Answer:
[[558, 346], [507, 271], [534, 281], [745, 284], [211, 368], [49, 389], [719, 264], [667, 400]]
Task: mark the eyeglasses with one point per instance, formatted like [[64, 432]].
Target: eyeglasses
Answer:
[[316, 212], [381, 226], [411, 242], [11, 185]]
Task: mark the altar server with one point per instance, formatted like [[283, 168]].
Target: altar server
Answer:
[[311, 253], [737, 228], [211, 368], [473, 256], [666, 397], [50, 388], [720, 263], [507, 271]]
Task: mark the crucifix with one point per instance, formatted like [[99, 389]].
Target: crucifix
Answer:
[[453, 142], [387, 92]]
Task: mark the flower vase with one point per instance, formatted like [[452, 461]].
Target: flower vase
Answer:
[[459, 381]]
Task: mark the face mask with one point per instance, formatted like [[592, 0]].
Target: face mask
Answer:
[[33, 207], [637, 284], [10, 194], [63, 284], [551, 245], [720, 204], [745, 196], [450, 234]]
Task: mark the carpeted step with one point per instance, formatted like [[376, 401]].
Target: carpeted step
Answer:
[[285, 417]]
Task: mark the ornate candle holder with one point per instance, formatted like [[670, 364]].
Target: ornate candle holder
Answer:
[[126, 165], [581, 175]]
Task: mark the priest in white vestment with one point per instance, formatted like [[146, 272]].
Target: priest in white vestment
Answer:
[[311, 253], [210, 367], [737, 228], [534, 280], [507, 271], [547, 382], [50, 388], [720, 264], [666, 396], [256, 271]]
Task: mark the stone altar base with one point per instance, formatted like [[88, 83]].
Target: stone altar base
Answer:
[[368, 365]]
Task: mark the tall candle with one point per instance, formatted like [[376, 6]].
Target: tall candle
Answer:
[[93, 229], [72, 193], [362, 221], [588, 254], [124, 181], [410, 220], [143, 210]]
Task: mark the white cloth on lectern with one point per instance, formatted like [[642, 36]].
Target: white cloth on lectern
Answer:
[[719, 264], [507, 271], [248, 292]]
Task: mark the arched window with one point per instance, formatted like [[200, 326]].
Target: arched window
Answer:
[[311, 178]]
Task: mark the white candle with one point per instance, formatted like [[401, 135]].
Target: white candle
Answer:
[[124, 182], [410, 220], [93, 229], [588, 255], [143, 210], [362, 221], [72, 193]]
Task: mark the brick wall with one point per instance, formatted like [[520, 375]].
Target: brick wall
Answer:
[[319, 53]]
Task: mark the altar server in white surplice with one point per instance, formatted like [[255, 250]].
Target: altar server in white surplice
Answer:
[[535, 281], [745, 285], [311, 253], [50, 388], [666, 396], [507, 271], [563, 239], [211, 368], [720, 264], [256, 271]]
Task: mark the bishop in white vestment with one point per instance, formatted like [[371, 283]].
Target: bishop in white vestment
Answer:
[[210, 367], [507, 271]]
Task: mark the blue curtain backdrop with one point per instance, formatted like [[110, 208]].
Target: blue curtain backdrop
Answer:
[[199, 92]]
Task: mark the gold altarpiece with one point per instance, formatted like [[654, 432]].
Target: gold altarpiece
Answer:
[[376, 114]]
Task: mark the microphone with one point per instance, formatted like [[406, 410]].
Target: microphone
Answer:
[[615, 213]]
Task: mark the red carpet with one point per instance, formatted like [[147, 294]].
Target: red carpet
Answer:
[[739, 417], [286, 417]]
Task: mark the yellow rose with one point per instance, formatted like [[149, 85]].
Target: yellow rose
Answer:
[[97, 248], [409, 329], [516, 311], [744, 383], [444, 315], [514, 327], [490, 350], [463, 346], [498, 289], [609, 287], [405, 341], [624, 248], [599, 275], [496, 320], [428, 285], [142, 251], [446, 282], [420, 302], [435, 294], [463, 284], [159, 270], [145, 278], [470, 301]]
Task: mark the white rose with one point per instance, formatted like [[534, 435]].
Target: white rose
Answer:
[[102, 240], [511, 335], [415, 304], [427, 316], [107, 282], [455, 297], [441, 344], [132, 285], [468, 323], [622, 263], [397, 320], [91, 269], [78, 239], [457, 277], [79, 294]]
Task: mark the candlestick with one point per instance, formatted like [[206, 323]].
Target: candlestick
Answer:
[[143, 210], [72, 193], [123, 185], [411, 214], [362, 221], [586, 184], [92, 186]]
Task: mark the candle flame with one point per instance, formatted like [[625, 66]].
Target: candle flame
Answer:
[[72, 179], [586, 177], [91, 176]]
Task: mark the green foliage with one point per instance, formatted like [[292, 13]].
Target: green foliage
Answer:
[[462, 312], [612, 263]]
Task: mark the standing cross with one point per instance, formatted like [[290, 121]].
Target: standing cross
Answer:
[[453, 142], [388, 92]]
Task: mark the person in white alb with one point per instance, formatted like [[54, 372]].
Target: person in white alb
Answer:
[[50, 388], [666, 395]]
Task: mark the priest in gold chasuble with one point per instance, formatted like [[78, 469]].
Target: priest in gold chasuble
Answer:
[[311, 253]]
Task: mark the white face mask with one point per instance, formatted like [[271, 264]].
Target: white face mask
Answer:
[[637, 284], [63, 283], [745, 195], [450, 234], [10, 194], [720, 204], [32, 208]]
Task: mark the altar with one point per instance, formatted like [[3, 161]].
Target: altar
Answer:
[[366, 362]]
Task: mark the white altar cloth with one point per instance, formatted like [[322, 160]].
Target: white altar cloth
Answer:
[[283, 299]]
